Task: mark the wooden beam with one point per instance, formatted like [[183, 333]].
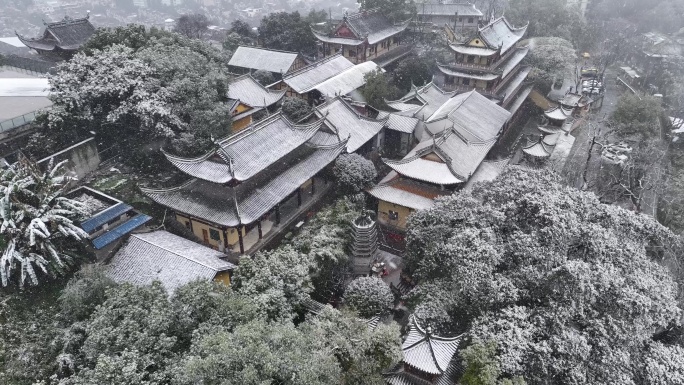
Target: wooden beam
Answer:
[[299, 197], [313, 186], [242, 243], [277, 209], [261, 235]]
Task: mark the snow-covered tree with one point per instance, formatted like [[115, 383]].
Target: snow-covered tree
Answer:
[[569, 289], [363, 353], [369, 296], [265, 78], [353, 173], [38, 223], [277, 280], [552, 59], [295, 109]]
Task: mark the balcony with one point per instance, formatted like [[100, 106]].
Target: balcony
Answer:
[[463, 88]]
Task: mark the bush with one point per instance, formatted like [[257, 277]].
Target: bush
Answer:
[[83, 293], [369, 296], [263, 77], [295, 109], [354, 173]]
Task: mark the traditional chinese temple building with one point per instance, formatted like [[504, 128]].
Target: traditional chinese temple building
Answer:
[[457, 137], [325, 79], [246, 97], [427, 358], [458, 16], [362, 36], [363, 134], [61, 39], [236, 191], [490, 62]]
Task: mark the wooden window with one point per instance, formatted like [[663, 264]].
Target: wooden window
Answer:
[[466, 82], [470, 20], [214, 234], [393, 215], [471, 59], [205, 236], [187, 224]]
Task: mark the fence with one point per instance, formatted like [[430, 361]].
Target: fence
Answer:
[[18, 121]]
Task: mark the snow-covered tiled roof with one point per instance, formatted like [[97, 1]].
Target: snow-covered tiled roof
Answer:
[[347, 81], [425, 170], [487, 171], [389, 193], [249, 151], [250, 92], [473, 113], [500, 33], [263, 59], [468, 50], [336, 39], [67, 34], [348, 123], [396, 122], [165, 257], [307, 78], [247, 202], [426, 352], [512, 62], [24, 87], [462, 9], [421, 102], [373, 25], [445, 69], [558, 113], [542, 147]]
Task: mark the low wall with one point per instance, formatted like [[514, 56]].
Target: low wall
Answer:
[[82, 158]]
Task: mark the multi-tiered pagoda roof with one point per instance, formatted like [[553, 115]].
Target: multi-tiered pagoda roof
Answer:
[[249, 173], [66, 35]]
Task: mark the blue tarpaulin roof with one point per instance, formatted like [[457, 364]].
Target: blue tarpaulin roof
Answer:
[[119, 231], [109, 214]]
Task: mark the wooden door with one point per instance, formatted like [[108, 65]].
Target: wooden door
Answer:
[[205, 236]]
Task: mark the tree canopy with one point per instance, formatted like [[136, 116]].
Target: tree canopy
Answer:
[[395, 10], [287, 32], [132, 87], [369, 296], [568, 289], [635, 115], [552, 59], [379, 88], [353, 173]]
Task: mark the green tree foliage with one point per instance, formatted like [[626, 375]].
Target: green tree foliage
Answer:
[[482, 368], [260, 353], [546, 18], [264, 78], [192, 26], [325, 241], [233, 40], [551, 58], [316, 16], [83, 293], [379, 88], [638, 116], [362, 353], [369, 296], [38, 230], [354, 173], [295, 108], [568, 289], [134, 87], [241, 28], [287, 32], [412, 71], [396, 10], [277, 280]]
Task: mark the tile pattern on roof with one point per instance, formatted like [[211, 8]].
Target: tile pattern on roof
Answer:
[[67, 34], [370, 25], [306, 79], [388, 193], [165, 257], [462, 9], [348, 123], [244, 154], [427, 352], [250, 92], [263, 59], [558, 113], [347, 81], [423, 101], [105, 216], [500, 33], [247, 202], [399, 123]]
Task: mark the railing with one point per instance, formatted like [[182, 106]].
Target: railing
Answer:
[[462, 88], [18, 121]]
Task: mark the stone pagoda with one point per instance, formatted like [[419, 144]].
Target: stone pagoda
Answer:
[[364, 246]]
